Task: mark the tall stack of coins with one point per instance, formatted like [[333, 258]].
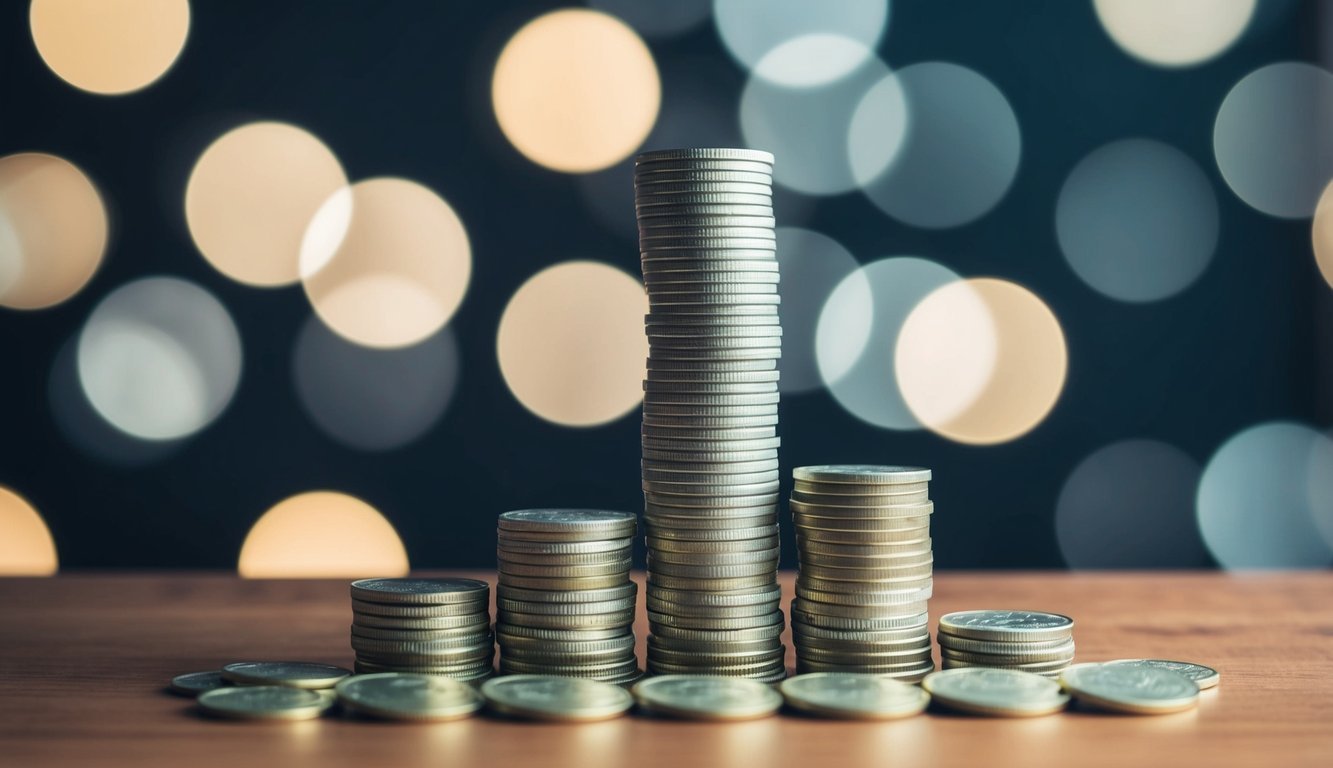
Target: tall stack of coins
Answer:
[[863, 543], [710, 411], [565, 600], [1027, 641], [431, 626]]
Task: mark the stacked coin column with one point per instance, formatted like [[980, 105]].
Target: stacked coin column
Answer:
[[863, 543], [710, 459], [565, 600], [1028, 641], [432, 626]]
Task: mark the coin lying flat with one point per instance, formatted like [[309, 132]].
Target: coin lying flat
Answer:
[[547, 697], [194, 683], [290, 674], [264, 702], [995, 692], [853, 696], [1132, 689], [404, 696], [702, 697], [1006, 625], [1204, 677], [419, 591], [861, 473]]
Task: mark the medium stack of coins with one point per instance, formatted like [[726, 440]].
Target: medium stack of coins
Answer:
[[863, 539], [1027, 641], [710, 411], [431, 626], [565, 600]]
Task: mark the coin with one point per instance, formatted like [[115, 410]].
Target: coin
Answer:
[[581, 521], [551, 698], [1130, 688], [995, 692], [1006, 625], [1204, 677], [264, 702], [852, 697], [291, 674], [861, 474], [403, 696], [699, 697], [419, 591], [194, 683], [705, 153]]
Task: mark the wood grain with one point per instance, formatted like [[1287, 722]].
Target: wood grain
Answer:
[[85, 659]]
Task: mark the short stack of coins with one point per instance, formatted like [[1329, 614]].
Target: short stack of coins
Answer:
[[863, 545], [565, 602], [710, 412], [1027, 641], [431, 626]]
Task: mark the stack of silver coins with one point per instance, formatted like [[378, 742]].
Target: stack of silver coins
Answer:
[[1028, 641], [863, 543], [565, 600], [431, 626], [710, 412]]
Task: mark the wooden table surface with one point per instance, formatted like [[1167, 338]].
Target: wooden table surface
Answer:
[[84, 658]]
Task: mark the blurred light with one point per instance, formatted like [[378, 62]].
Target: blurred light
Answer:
[[1131, 505], [811, 265], [1174, 33], [159, 358], [1319, 483], [1254, 505], [53, 230], [251, 196], [109, 46], [26, 546], [571, 344], [373, 399], [857, 330], [960, 152], [658, 19], [751, 32], [319, 535], [1137, 220], [386, 262], [981, 361], [576, 90], [807, 128], [878, 130], [85, 428], [1274, 138], [1322, 234]]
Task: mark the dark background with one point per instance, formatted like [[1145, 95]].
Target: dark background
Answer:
[[402, 88]]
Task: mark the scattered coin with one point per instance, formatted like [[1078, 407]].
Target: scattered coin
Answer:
[[853, 696], [548, 697], [1131, 688], [291, 674], [194, 683], [264, 702], [405, 696], [995, 692], [1204, 677], [702, 697]]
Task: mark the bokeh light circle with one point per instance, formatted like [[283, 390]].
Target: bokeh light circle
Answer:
[[1254, 502], [1174, 33], [322, 534], [1131, 505], [1321, 234], [53, 230], [251, 196], [571, 344], [373, 399], [807, 128], [159, 358], [109, 46], [386, 262], [960, 152], [1137, 220], [26, 546], [812, 265], [981, 361], [658, 19], [752, 32], [576, 90], [1319, 484], [858, 326], [1273, 138]]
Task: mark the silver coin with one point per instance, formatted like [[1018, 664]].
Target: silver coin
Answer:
[[672, 245], [861, 473], [420, 591], [511, 632], [292, 674], [669, 210], [724, 164], [511, 544], [996, 692], [1204, 677], [553, 520], [194, 683], [705, 153], [1007, 625], [619, 619], [264, 702], [625, 591], [658, 544], [713, 584]]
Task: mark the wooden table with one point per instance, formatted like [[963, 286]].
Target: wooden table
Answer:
[[84, 658]]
